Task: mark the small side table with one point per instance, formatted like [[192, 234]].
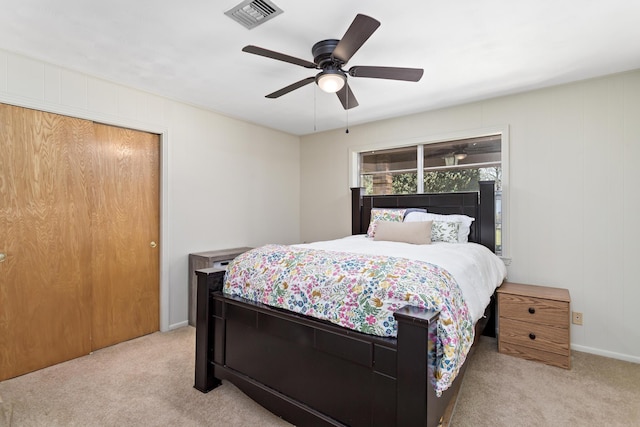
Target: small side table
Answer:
[[210, 259], [534, 323]]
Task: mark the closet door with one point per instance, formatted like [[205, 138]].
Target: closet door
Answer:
[[79, 229], [45, 240], [125, 229]]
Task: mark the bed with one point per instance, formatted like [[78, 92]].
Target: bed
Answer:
[[313, 372]]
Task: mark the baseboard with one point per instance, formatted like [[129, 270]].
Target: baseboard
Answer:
[[610, 354], [178, 325]]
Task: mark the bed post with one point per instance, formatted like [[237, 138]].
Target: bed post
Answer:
[[417, 404], [356, 210], [487, 220], [209, 280]]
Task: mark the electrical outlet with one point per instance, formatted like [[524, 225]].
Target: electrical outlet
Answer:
[[576, 318]]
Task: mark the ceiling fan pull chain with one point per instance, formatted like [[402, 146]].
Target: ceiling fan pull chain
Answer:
[[315, 109], [347, 111]]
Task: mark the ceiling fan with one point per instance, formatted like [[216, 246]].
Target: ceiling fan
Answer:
[[331, 55]]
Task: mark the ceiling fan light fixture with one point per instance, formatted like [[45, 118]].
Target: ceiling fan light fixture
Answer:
[[331, 81]]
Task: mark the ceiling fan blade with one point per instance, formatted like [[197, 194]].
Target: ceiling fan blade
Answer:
[[279, 56], [360, 30], [291, 87], [347, 98], [392, 73]]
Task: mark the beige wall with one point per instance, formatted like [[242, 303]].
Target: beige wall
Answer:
[[573, 184], [225, 183], [574, 193]]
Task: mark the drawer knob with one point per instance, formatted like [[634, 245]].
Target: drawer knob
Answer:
[[532, 336], [532, 310]]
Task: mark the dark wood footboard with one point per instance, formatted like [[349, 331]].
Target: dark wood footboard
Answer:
[[311, 372]]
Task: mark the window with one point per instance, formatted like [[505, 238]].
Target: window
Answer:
[[440, 167], [391, 171], [449, 166]]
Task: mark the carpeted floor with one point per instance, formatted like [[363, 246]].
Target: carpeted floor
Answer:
[[500, 390], [149, 382], [143, 382]]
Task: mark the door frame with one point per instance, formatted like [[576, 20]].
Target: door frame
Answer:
[[163, 173]]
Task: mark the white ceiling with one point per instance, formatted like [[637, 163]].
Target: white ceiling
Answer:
[[190, 51]]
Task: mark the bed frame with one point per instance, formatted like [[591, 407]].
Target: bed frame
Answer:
[[314, 373]]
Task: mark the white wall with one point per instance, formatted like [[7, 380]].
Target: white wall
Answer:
[[574, 193], [225, 183], [574, 182]]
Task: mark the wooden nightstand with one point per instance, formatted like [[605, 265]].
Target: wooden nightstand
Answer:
[[534, 323]]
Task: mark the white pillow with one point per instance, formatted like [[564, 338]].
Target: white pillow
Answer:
[[464, 220]]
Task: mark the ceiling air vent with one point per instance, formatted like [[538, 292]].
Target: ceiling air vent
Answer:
[[252, 13]]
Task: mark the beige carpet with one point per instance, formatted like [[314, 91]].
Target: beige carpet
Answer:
[[500, 390], [149, 382], [143, 382]]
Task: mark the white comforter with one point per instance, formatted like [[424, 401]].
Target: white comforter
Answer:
[[477, 270]]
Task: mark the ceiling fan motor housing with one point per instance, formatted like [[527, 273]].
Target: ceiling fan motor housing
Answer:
[[322, 56], [322, 52]]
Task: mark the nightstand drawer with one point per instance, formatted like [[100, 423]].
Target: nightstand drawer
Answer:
[[553, 359], [535, 310], [541, 337]]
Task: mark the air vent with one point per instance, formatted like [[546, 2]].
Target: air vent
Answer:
[[252, 13]]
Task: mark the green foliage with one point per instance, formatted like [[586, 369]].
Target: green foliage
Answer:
[[366, 181], [451, 180], [443, 181], [405, 183]]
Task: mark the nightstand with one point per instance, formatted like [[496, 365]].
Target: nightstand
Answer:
[[533, 323], [211, 259]]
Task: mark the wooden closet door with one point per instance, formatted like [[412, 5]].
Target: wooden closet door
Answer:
[[45, 303], [125, 225], [79, 210]]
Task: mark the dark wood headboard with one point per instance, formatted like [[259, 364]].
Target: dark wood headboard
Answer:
[[479, 205]]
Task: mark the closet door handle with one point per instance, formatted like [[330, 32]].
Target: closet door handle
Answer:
[[153, 244], [3, 257]]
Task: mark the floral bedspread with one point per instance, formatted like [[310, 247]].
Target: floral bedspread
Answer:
[[359, 292]]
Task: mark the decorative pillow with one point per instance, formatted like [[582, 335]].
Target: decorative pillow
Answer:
[[464, 221], [442, 231], [393, 215], [409, 210], [417, 233]]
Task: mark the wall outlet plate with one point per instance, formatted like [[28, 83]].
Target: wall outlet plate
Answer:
[[576, 318]]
